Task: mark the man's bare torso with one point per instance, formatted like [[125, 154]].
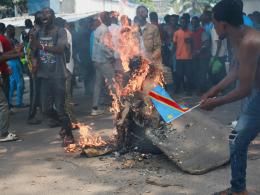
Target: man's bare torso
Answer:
[[251, 42]]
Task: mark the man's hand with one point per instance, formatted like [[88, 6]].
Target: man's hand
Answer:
[[213, 92], [209, 104]]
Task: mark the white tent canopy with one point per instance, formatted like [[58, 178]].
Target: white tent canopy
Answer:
[[19, 21]]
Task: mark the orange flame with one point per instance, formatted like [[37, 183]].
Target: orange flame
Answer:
[[88, 138]]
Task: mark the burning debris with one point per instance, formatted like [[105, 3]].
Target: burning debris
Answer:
[[140, 128]]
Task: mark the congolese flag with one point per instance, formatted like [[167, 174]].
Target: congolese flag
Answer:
[[165, 105]]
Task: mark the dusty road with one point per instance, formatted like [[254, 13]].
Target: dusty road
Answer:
[[38, 165]]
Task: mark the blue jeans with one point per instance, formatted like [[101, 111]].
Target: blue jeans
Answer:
[[16, 81], [246, 130]]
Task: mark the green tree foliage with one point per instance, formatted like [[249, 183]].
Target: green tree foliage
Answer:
[[191, 6], [21, 5], [148, 3]]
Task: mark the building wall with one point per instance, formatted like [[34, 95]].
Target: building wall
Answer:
[[89, 6]]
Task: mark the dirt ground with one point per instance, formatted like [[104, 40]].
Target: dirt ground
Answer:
[[38, 164]]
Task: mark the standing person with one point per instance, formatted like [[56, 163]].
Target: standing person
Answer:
[[5, 135], [103, 59], [84, 59], [24, 37], [201, 55], [50, 43], [219, 52], [32, 64], [206, 19], [4, 69], [228, 22], [69, 69], [183, 43], [16, 78], [150, 39], [114, 29]]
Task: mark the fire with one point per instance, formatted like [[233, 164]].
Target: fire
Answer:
[[88, 138], [142, 79]]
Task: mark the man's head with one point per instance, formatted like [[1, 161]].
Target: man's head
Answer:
[[206, 17], [174, 20], [153, 17], [187, 16], [167, 18], [28, 23], [256, 16], [184, 23], [105, 18], [10, 31], [226, 14], [2, 28], [142, 12], [48, 17], [195, 22], [114, 17]]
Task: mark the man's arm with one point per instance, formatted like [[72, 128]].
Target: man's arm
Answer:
[[11, 55], [248, 57]]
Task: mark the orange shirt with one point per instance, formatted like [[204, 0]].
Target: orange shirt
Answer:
[[183, 49]]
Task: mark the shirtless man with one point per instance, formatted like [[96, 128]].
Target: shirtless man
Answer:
[[228, 22]]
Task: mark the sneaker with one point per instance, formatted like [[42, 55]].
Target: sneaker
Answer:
[[233, 124], [9, 137], [96, 112], [68, 140]]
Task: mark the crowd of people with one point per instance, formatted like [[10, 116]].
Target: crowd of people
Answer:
[[51, 52]]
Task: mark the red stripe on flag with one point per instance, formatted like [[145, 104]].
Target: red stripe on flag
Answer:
[[166, 101]]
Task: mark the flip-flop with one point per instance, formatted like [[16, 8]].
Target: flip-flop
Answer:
[[9, 137], [227, 192]]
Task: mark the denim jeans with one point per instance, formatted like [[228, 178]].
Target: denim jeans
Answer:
[[4, 112], [16, 81], [246, 130], [35, 87]]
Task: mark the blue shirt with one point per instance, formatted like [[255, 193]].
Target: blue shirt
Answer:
[[208, 27], [248, 21]]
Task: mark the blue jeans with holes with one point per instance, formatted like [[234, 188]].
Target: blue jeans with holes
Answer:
[[246, 130]]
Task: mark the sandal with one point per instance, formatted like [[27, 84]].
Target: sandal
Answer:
[[225, 192], [9, 137]]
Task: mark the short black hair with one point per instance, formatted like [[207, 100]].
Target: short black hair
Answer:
[[104, 17], [229, 11], [167, 18], [2, 28], [142, 7], [153, 16], [187, 16], [28, 23]]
